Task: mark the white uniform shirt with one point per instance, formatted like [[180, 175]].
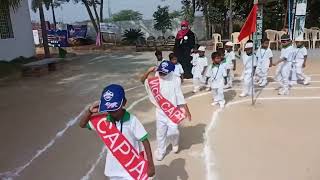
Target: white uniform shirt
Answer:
[[264, 55], [170, 90], [229, 56], [198, 66], [178, 70], [134, 131], [216, 73], [287, 53], [299, 54], [247, 62]]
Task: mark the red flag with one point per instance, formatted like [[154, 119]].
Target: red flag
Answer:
[[250, 25]]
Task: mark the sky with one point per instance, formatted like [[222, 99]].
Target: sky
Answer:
[[71, 12]]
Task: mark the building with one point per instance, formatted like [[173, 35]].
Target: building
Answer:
[[16, 38]]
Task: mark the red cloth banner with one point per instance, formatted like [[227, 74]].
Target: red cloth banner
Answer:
[[173, 113], [121, 148]]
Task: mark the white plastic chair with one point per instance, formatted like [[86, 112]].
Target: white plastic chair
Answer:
[[306, 36], [315, 37], [234, 38], [272, 35], [216, 39]]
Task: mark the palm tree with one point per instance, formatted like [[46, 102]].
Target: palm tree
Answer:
[[38, 5]]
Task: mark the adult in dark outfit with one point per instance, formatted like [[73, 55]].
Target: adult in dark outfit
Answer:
[[185, 42]]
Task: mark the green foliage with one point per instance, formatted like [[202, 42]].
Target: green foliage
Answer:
[[127, 15], [14, 4], [175, 14], [187, 11], [132, 35], [162, 19]]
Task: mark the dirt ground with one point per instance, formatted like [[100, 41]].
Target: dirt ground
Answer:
[[40, 137]]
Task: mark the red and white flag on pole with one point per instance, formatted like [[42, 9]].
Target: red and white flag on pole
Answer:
[[250, 26]]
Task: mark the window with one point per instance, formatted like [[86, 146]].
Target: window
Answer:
[[5, 23]]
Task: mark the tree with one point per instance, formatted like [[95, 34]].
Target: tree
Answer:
[[131, 36], [14, 4], [175, 14], [162, 19], [187, 11], [38, 5], [127, 15]]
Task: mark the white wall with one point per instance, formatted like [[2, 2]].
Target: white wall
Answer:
[[22, 43]]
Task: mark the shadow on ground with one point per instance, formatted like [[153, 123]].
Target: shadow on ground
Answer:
[[175, 171]]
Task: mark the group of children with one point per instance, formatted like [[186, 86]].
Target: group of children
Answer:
[[163, 85], [218, 75]]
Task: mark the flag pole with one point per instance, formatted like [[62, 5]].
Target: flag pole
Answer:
[[252, 62], [252, 73]]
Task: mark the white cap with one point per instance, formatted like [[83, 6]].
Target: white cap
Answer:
[[229, 43], [249, 45], [300, 38], [202, 48]]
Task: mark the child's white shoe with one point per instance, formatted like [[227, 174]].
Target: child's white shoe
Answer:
[[222, 106], [283, 92], [214, 103], [208, 89], [243, 95], [158, 156], [307, 80], [227, 86], [175, 149]]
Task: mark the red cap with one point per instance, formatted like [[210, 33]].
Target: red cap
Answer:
[[184, 23]]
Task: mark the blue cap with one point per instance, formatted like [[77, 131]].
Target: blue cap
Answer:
[[166, 67], [112, 98]]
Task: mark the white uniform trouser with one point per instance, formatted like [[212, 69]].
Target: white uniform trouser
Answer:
[[167, 132], [284, 75], [262, 71], [299, 71], [230, 77], [247, 83], [218, 95], [278, 76], [197, 83]]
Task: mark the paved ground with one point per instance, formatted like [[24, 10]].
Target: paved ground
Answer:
[[41, 139]]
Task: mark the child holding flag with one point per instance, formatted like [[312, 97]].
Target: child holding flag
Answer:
[[249, 69], [128, 135], [171, 107]]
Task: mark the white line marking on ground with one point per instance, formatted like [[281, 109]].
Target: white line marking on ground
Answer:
[[209, 155], [15, 172]]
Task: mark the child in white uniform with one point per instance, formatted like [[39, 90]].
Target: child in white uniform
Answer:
[[178, 70], [230, 63], [159, 57], [199, 68], [249, 61], [217, 74], [284, 65], [127, 123], [300, 57], [167, 131], [264, 61]]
